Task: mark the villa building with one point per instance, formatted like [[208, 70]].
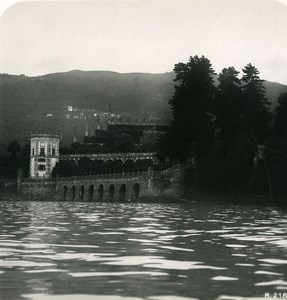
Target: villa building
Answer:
[[44, 155]]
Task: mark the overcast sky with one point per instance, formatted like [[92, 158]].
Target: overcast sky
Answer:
[[143, 36]]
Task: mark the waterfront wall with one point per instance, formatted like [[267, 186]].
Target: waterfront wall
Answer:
[[38, 189], [119, 187]]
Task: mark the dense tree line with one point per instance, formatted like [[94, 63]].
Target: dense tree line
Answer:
[[220, 130], [18, 158], [276, 148], [85, 166], [105, 141]]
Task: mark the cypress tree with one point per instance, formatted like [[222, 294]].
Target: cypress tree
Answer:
[[191, 129], [255, 112]]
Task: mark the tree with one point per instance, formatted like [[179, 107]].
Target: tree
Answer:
[[255, 113], [149, 140], [124, 143], [13, 148], [191, 129], [276, 148], [276, 160], [229, 104], [230, 161], [244, 121], [280, 120], [64, 168]]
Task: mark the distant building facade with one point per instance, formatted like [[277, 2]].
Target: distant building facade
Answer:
[[44, 155]]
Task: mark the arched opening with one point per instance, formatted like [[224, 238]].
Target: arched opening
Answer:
[[91, 192], [111, 192], [65, 191], [100, 193], [82, 192], [136, 191], [73, 192], [122, 193]]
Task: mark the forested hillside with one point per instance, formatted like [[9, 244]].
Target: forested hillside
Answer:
[[26, 101]]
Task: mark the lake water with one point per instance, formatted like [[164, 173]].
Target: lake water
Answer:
[[62, 250]]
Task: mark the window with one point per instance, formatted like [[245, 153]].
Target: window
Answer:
[[41, 167], [41, 160], [42, 149], [53, 149], [33, 151]]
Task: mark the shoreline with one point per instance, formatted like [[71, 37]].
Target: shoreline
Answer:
[[189, 197]]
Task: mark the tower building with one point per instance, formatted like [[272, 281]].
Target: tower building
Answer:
[[44, 154]]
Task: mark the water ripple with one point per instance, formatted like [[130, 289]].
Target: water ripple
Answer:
[[202, 251]]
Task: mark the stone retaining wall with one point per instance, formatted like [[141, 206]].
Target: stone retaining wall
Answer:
[[114, 187]]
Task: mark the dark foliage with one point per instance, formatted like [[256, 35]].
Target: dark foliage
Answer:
[[191, 129], [242, 121], [13, 148], [276, 160], [219, 129], [107, 141], [229, 105], [86, 166], [276, 148], [9, 165], [255, 113], [280, 122], [229, 166]]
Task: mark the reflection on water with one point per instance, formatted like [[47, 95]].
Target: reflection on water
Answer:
[[100, 251]]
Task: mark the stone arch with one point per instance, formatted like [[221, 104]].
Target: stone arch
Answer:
[[111, 192], [91, 193], [100, 193], [122, 193], [82, 192], [65, 192], [73, 192], [136, 191]]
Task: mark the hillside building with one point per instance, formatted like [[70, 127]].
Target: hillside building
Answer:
[[44, 155]]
